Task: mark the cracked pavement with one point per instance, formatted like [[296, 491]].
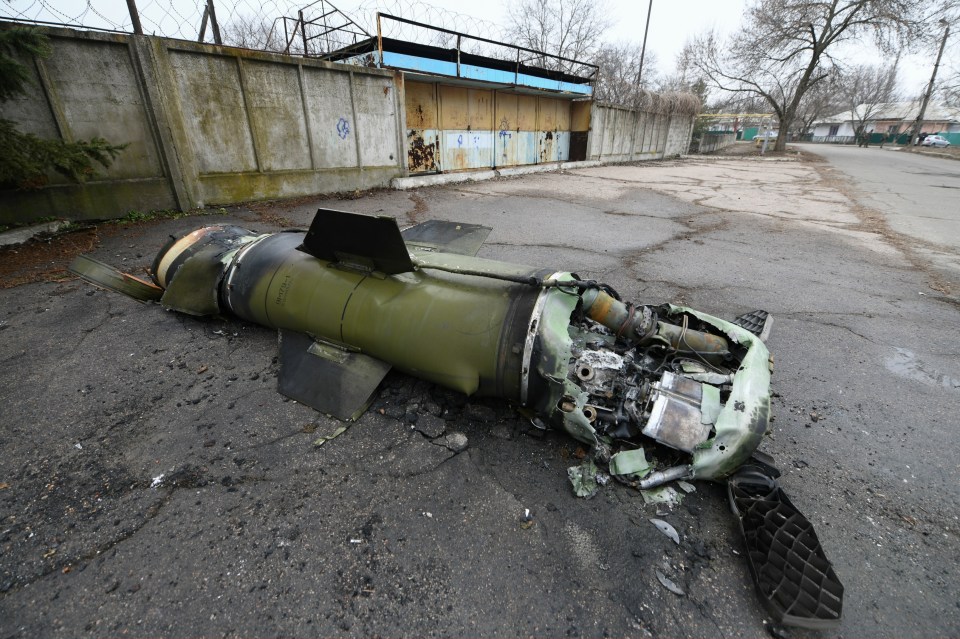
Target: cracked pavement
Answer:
[[153, 483]]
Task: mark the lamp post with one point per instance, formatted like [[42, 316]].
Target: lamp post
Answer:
[[926, 97]]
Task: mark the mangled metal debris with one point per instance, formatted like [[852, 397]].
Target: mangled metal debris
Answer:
[[667, 530], [354, 297]]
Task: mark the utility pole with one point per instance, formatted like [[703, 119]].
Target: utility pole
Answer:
[[926, 97], [643, 48]]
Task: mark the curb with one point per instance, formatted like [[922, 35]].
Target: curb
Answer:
[[417, 181]]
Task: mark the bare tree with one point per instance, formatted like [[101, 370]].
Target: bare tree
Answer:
[[866, 91], [785, 47], [255, 32], [822, 99], [619, 67], [571, 29]]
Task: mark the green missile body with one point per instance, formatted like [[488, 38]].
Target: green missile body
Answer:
[[354, 296]]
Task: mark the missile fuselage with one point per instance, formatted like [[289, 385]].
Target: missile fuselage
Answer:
[[352, 298]]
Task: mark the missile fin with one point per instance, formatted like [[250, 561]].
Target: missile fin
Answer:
[[447, 237], [110, 278], [331, 380], [358, 241]]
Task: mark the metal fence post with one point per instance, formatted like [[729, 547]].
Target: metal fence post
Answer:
[[213, 22], [134, 17]]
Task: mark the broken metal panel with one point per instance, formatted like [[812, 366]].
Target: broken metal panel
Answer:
[[794, 578], [744, 418]]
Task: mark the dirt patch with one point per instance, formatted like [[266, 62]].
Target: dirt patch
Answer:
[[950, 152], [749, 149], [44, 260], [420, 208]]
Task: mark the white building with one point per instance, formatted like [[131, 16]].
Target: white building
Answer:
[[890, 118]]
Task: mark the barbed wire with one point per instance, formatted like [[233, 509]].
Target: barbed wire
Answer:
[[255, 23]]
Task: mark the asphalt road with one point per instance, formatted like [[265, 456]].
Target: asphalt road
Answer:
[[918, 195], [153, 483]]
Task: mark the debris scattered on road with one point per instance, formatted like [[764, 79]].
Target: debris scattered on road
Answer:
[[667, 530], [323, 439], [686, 487], [631, 463], [584, 479], [669, 584], [666, 495]]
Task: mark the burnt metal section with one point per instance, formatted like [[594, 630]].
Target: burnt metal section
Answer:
[[421, 155], [358, 241], [794, 578], [448, 237], [331, 380]]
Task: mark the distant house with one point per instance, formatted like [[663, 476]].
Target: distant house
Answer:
[[891, 119]]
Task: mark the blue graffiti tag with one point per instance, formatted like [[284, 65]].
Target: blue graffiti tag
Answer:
[[343, 128], [460, 140]]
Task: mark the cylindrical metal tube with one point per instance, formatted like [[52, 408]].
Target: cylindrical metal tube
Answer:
[[463, 332], [687, 341]]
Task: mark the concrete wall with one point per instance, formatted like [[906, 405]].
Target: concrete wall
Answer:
[[619, 134], [204, 125], [715, 141]]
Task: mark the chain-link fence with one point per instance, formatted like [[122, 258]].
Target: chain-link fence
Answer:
[[295, 27]]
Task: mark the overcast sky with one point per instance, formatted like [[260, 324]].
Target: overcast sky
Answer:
[[672, 22]]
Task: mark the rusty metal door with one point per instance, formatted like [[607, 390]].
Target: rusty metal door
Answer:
[[423, 134]]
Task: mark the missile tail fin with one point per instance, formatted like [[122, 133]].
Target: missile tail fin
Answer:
[[447, 237], [328, 379], [361, 241]]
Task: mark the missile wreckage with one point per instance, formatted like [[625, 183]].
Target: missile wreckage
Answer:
[[354, 296]]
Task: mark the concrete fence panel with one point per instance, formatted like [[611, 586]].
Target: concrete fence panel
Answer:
[[203, 125], [620, 134]]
